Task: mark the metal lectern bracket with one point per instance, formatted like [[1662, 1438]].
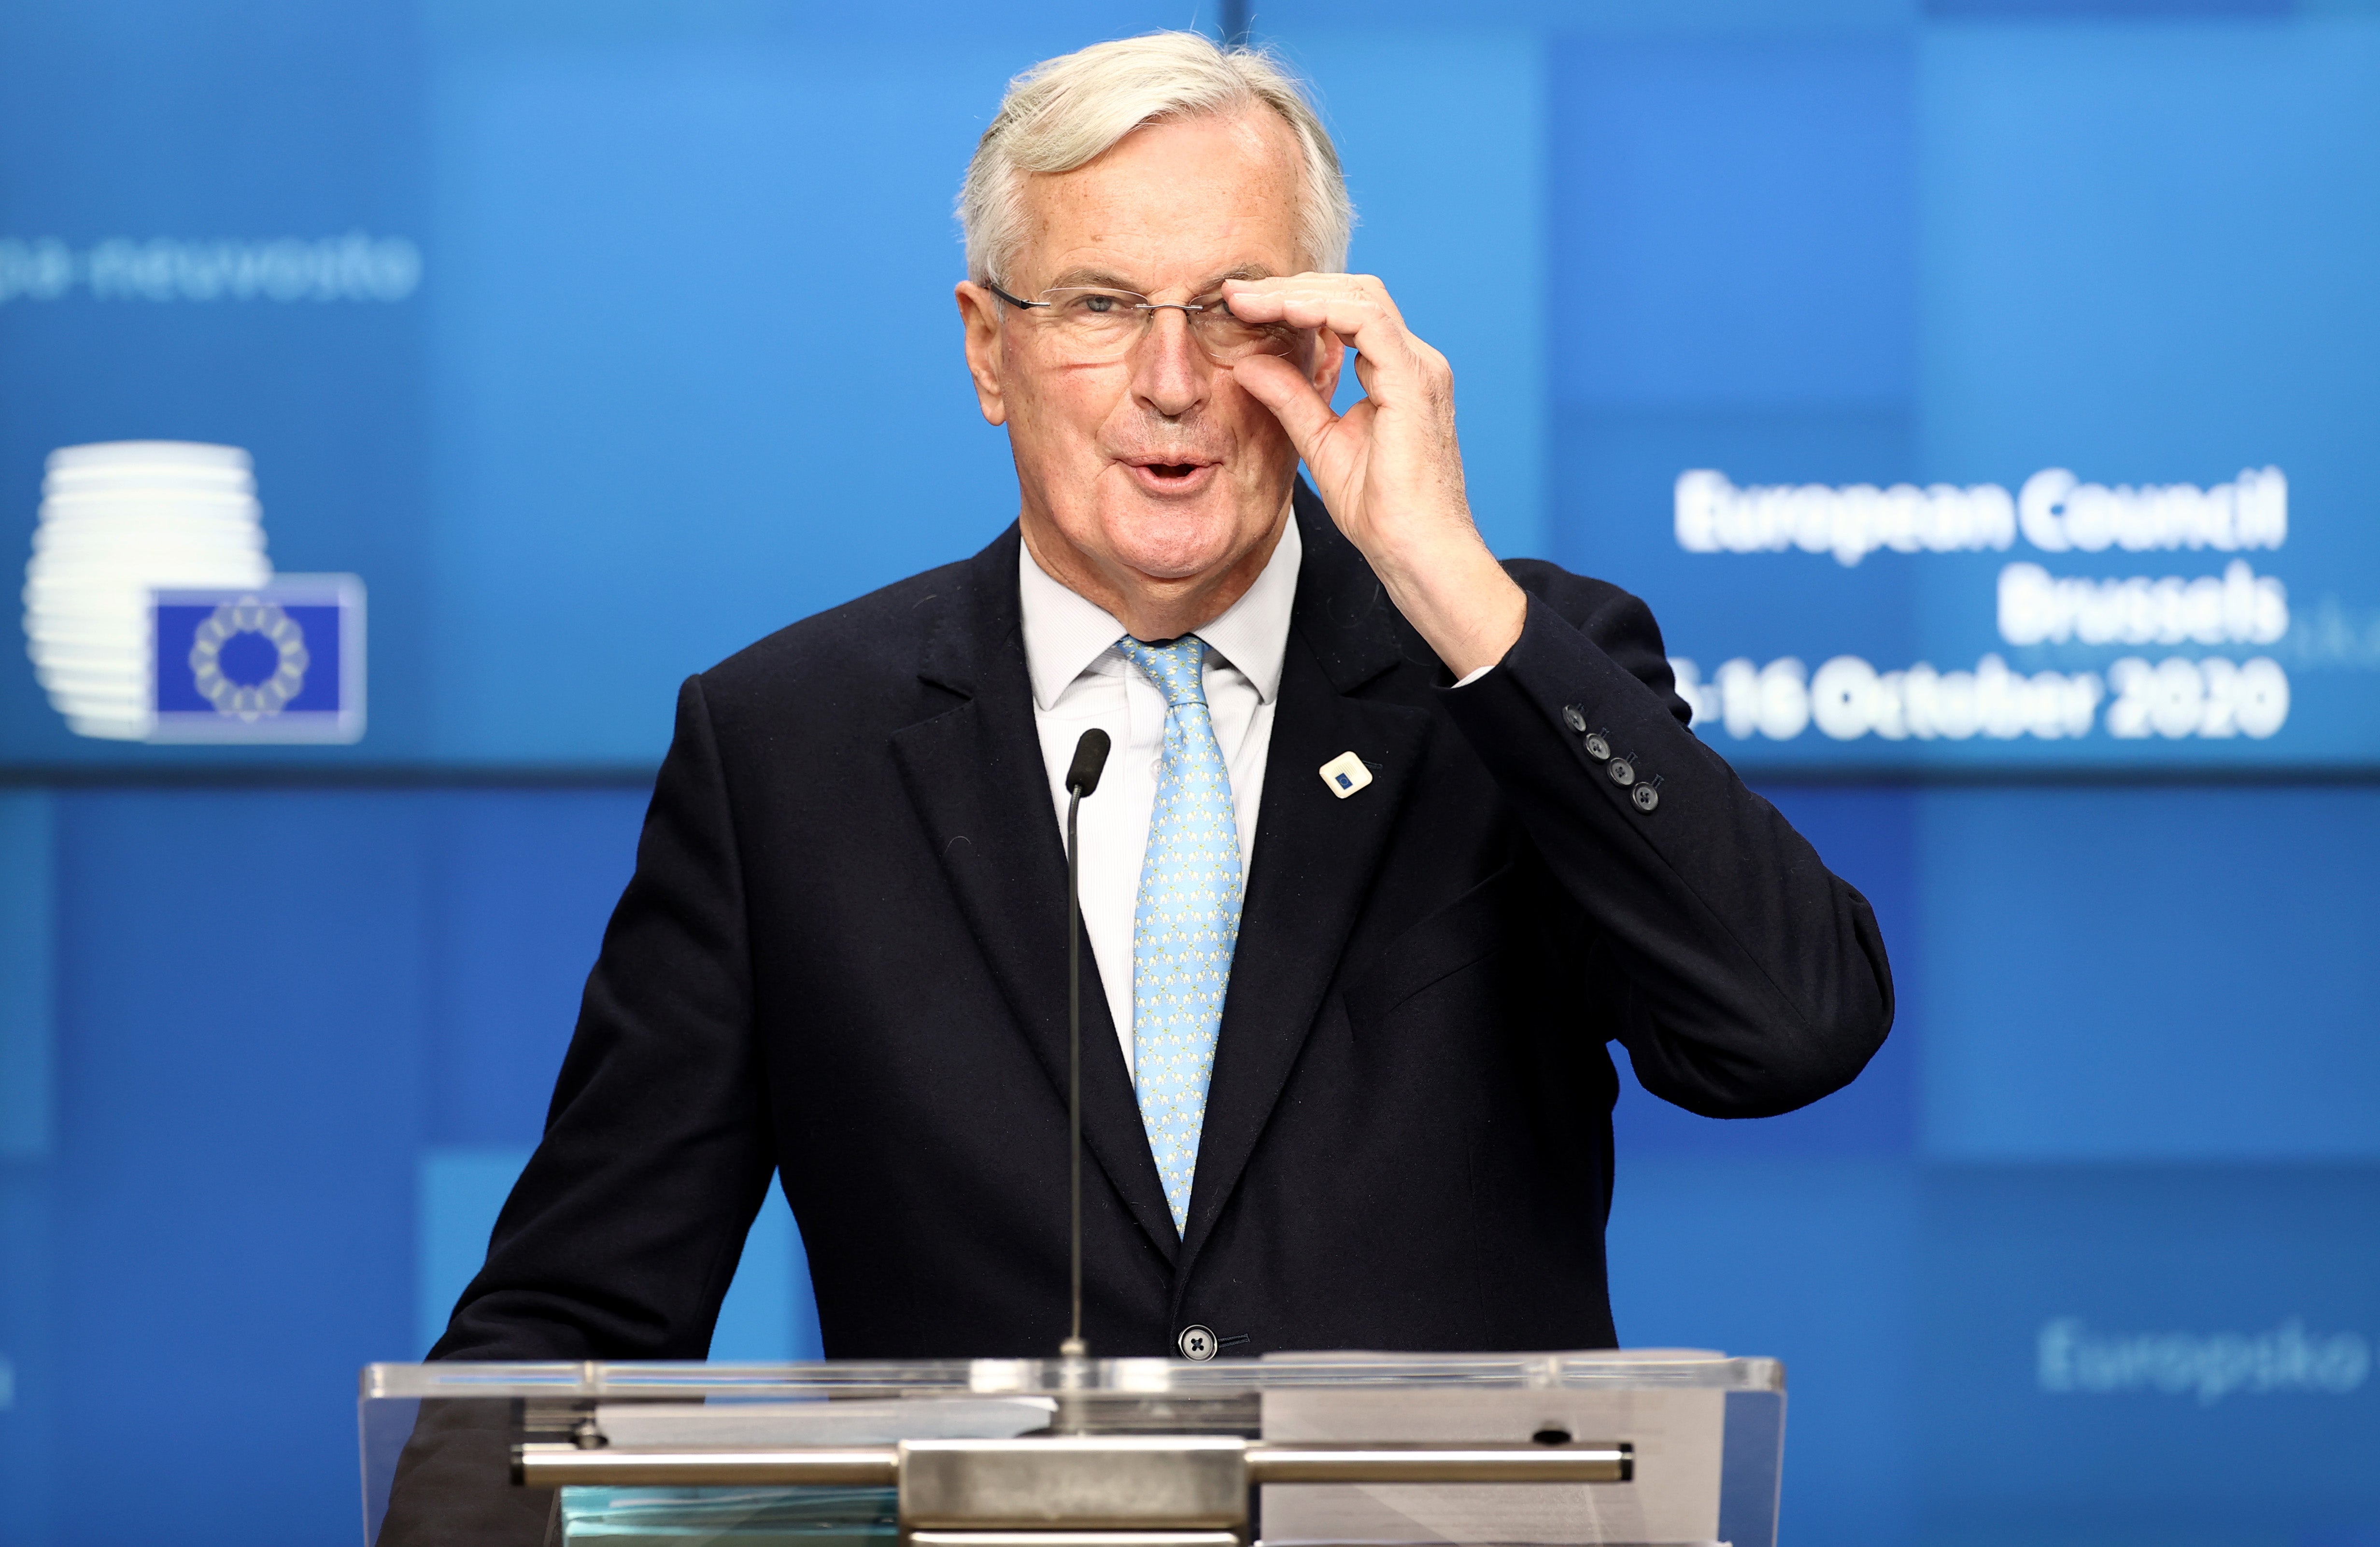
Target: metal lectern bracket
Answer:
[[1091, 1483], [1074, 1490]]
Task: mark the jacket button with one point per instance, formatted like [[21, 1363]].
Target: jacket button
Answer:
[[1574, 717], [1598, 748], [1196, 1343], [1621, 774], [1646, 797]]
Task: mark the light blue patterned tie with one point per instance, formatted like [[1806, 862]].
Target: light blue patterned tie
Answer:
[[1188, 919]]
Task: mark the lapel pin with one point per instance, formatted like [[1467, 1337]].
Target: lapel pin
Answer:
[[1345, 774]]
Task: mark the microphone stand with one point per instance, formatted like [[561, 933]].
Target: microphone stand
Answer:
[[1074, 1368], [1073, 1347]]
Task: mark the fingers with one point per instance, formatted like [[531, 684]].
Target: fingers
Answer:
[[1357, 307], [1282, 388]]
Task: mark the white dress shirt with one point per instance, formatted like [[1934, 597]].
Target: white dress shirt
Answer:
[[1079, 681]]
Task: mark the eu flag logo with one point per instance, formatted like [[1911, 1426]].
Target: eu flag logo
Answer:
[[283, 662]]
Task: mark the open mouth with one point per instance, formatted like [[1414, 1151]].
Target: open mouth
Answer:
[[1172, 477]]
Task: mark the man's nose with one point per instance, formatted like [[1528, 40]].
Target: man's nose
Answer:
[[1170, 373]]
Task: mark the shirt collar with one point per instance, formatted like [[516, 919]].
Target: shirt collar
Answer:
[[1066, 633]]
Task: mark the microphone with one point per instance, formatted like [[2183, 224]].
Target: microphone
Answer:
[[1090, 757], [1082, 778]]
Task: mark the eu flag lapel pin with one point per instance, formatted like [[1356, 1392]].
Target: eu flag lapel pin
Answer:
[[1345, 774]]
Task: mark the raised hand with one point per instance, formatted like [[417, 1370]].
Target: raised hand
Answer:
[[1390, 469]]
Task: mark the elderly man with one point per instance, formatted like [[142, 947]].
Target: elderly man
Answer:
[[1395, 840]]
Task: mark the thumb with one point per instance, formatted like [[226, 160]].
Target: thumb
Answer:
[[1282, 388]]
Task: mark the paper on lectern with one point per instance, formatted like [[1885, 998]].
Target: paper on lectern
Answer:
[[718, 1425]]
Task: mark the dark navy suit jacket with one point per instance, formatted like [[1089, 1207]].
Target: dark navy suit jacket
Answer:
[[843, 961]]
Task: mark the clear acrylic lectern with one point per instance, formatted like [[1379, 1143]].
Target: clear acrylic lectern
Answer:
[[1648, 1446]]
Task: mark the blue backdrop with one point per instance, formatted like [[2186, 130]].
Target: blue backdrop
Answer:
[[2091, 1253]]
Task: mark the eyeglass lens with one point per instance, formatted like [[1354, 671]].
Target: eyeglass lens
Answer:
[[1091, 323]]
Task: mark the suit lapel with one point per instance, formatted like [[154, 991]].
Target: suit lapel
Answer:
[[975, 777], [1315, 852]]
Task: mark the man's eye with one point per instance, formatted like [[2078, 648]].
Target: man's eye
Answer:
[[1098, 304]]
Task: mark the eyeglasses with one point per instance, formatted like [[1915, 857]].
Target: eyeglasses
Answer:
[[1090, 324]]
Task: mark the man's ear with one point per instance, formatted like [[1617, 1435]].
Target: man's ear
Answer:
[[979, 316], [1330, 358]]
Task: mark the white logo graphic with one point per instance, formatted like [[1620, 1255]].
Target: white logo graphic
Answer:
[[2072, 1358], [118, 521]]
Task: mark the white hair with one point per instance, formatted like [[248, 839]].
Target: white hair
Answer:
[[1067, 112]]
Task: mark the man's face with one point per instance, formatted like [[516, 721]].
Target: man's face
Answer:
[[1150, 473]]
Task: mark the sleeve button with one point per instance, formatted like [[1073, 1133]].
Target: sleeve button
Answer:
[[1646, 797], [1574, 717], [1621, 773], [1598, 748]]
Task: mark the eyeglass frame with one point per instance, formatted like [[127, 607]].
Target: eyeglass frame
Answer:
[[1145, 306]]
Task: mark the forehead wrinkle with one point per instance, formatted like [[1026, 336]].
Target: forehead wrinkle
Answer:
[[1086, 277]]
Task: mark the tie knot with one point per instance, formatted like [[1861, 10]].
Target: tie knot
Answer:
[[1178, 668]]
